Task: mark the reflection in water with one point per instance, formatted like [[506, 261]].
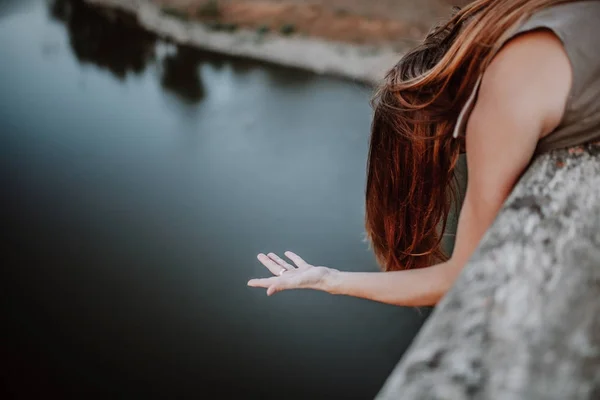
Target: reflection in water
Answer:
[[106, 38], [114, 40], [180, 74], [292, 78]]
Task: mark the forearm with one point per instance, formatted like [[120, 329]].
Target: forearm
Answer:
[[418, 287]]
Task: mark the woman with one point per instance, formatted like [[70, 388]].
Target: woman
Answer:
[[503, 80]]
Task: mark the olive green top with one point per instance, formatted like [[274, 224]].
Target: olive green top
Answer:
[[576, 24]]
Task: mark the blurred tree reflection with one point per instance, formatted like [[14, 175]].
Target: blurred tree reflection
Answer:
[[108, 39], [180, 75], [289, 77]]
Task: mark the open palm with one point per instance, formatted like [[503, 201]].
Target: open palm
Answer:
[[287, 276]]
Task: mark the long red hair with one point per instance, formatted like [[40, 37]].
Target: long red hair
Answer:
[[411, 181]]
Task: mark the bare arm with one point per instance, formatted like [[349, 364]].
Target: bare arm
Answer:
[[522, 98]]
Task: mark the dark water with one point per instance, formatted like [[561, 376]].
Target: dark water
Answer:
[[139, 181]]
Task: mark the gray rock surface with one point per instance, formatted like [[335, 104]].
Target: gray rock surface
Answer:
[[523, 319]]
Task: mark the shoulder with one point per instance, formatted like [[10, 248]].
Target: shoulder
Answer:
[[530, 77], [521, 98]]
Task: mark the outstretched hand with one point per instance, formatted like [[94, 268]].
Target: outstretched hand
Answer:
[[287, 276]]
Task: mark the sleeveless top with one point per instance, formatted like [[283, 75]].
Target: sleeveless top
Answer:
[[575, 24]]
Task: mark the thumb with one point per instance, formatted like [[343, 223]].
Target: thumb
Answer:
[[279, 286], [273, 289]]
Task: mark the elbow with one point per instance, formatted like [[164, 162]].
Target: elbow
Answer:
[[451, 271], [442, 278]]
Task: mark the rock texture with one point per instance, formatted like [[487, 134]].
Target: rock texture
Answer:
[[523, 319]]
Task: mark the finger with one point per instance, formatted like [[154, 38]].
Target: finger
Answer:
[[272, 290], [271, 265], [297, 259], [280, 261], [279, 286], [263, 282]]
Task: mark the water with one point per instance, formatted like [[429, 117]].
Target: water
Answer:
[[139, 181]]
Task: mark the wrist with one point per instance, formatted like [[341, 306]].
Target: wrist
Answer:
[[331, 281]]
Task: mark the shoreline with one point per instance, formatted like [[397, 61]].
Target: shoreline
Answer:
[[364, 64]]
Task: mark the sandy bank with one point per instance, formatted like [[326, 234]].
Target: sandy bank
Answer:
[[359, 63]]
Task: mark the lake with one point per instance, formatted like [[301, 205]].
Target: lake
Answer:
[[139, 181]]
